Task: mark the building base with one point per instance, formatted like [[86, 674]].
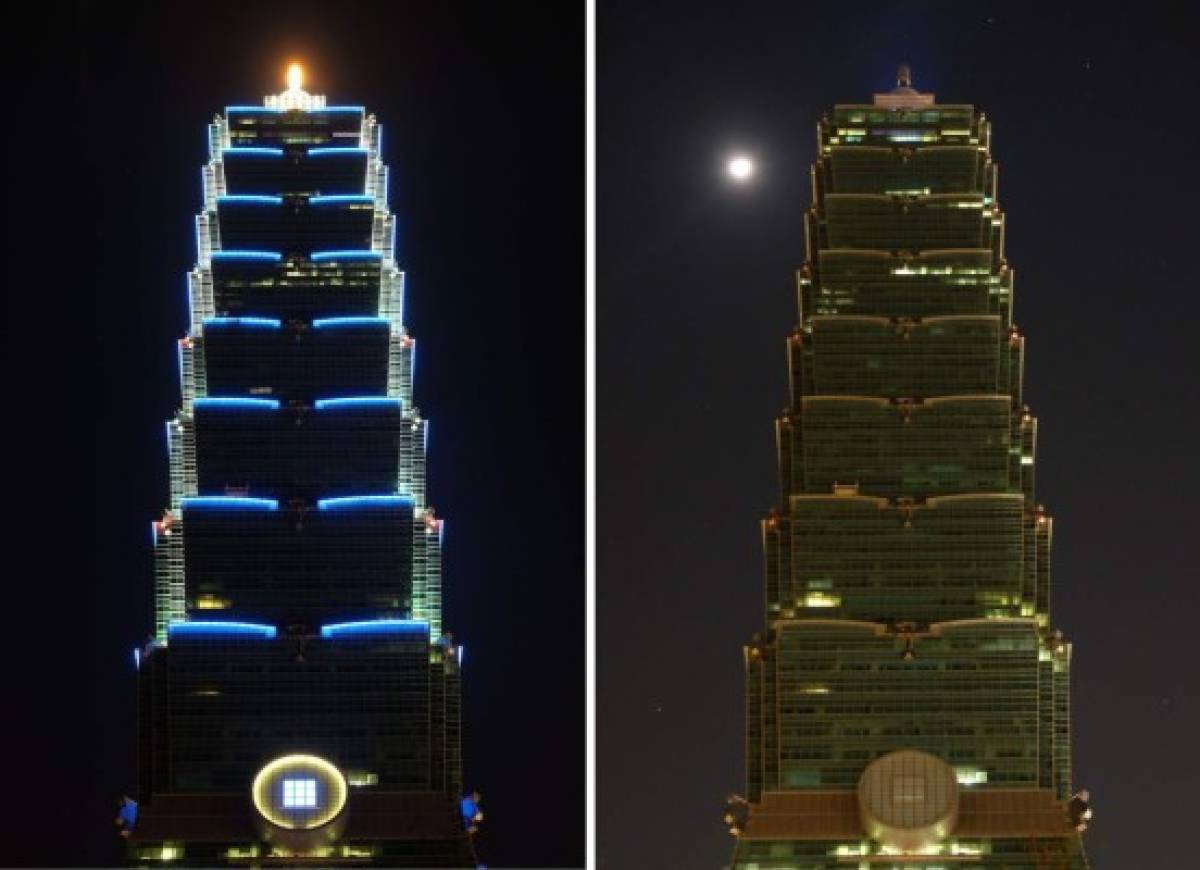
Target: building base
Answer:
[[997, 829], [392, 829]]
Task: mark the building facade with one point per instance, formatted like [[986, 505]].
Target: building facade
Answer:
[[907, 705], [299, 698]]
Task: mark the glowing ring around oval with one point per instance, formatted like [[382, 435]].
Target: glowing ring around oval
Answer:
[[260, 796]]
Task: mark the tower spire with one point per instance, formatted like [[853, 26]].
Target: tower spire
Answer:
[[294, 97], [904, 95]]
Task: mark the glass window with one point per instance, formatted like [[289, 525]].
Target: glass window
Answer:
[[300, 793]]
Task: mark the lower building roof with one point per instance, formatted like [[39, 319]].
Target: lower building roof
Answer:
[[370, 815], [833, 815]]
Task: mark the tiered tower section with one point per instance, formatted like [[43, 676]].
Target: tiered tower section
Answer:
[[299, 697], [907, 705]]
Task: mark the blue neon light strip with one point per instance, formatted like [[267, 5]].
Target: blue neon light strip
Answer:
[[254, 198], [321, 256], [229, 502], [236, 402], [221, 628], [375, 626], [352, 502], [337, 110], [253, 151], [331, 322], [273, 256], [252, 322], [330, 151], [341, 198], [357, 402]]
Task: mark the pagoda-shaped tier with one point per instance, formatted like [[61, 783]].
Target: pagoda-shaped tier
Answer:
[[954, 355], [260, 448], [265, 284], [947, 558], [911, 449], [310, 170], [303, 362], [298, 224], [905, 284]]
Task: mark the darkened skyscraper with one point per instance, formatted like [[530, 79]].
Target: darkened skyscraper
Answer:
[[299, 696], [907, 705]]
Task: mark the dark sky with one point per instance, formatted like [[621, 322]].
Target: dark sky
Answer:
[[1095, 134], [483, 115]]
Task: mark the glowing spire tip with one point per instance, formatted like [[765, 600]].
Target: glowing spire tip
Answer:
[[295, 98]]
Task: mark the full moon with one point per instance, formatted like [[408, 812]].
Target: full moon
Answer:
[[740, 168]]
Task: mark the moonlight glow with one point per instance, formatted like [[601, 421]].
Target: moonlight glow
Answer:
[[740, 168]]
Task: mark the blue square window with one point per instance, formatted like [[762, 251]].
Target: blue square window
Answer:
[[300, 794]]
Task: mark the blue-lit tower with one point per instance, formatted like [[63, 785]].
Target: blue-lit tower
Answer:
[[299, 698]]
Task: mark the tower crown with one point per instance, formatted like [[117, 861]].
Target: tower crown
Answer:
[[904, 95], [294, 97]]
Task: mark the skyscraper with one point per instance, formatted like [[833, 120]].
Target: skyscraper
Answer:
[[907, 705], [299, 697]]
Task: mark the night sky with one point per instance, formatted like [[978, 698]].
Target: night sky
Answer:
[[483, 115], [1095, 133]]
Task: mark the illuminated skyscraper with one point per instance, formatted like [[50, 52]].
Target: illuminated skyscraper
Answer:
[[299, 697], [907, 705]]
